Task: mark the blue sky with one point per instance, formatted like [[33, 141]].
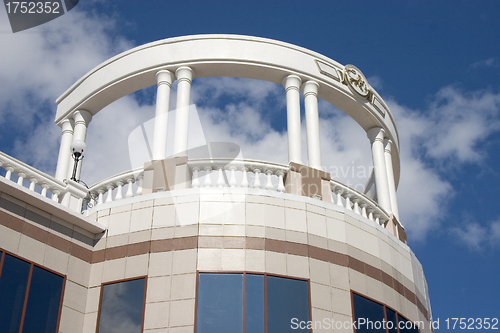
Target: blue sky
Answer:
[[437, 65]]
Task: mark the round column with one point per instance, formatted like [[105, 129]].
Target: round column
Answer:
[[82, 119], [310, 90], [376, 136], [184, 77], [64, 158], [292, 88], [164, 81], [390, 177]]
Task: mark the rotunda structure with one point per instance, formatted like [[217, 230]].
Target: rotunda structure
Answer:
[[205, 240]]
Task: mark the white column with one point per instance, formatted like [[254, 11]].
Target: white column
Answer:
[[390, 177], [164, 81], [292, 88], [310, 90], [376, 136], [184, 76], [64, 149], [82, 119]]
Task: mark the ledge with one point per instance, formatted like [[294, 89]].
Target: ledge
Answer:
[[238, 192], [54, 208]]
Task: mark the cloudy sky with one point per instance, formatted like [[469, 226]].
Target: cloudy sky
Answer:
[[437, 65]]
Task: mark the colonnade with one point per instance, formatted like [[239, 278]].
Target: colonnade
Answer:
[[384, 174], [75, 128]]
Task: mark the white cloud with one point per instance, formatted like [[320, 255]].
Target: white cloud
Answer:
[[459, 122], [490, 62], [435, 142], [478, 237], [376, 82], [37, 66], [107, 138]]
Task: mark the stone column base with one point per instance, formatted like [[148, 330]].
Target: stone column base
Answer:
[[309, 182], [166, 175]]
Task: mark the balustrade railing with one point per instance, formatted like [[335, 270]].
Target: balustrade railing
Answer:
[[48, 184], [118, 182], [236, 173], [226, 173], [242, 173], [358, 202]]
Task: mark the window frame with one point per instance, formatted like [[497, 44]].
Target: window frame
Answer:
[[398, 315], [265, 274], [28, 284], [145, 277]]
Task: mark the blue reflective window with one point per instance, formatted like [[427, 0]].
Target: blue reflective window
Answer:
[[406, 327], [44, 299], [122, 305], [230, 302], [369, 315], [391, 321], [220, 303], [25, 287], [286, 299], [255, 303], [13, 282]]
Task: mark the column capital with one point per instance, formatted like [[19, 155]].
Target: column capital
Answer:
[[164, 77], [376, 134], [67, 126], [310, 88], [291, 82], [184, 73], [388, 145], [82, 117]]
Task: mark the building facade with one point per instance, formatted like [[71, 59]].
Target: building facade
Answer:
[[204, 240]]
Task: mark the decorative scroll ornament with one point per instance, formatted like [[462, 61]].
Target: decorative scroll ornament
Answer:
[[356, 80]]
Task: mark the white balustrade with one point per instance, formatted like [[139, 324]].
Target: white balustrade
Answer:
[[358, 202], [23, 171], [118, 182], [269, 183], [273, 172], [232, 180], [130, 192], [208, 178], [256, 180], [196, 182], [244, 179]]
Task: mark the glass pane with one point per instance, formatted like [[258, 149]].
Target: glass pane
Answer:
[[391, 321], [44, 299], [13, 283], [369, 315], [287, 299], [122, 307], [254, 303], [405, 326], [220, 303]]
